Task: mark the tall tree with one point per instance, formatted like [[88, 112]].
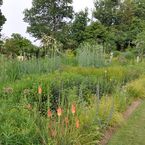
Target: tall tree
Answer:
[[48, 17], [139, 8], [79, 25], [106, 11], [2, 17], [123, 19]]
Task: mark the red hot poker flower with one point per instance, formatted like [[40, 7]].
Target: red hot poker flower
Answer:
[[39, 90], [66, 121], [59, 111], [73, 108], [49, 113], [77, 123]]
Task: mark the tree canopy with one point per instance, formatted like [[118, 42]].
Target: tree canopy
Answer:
[[18, 45], [48, 17], [123, 20], [2, 17], [115, 24]]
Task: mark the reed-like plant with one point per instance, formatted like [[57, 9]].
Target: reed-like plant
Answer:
[[90, 55]]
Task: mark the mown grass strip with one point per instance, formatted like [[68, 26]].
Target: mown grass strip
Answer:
[[133, 132]]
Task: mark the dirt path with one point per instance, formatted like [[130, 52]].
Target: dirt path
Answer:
[[111, 130]]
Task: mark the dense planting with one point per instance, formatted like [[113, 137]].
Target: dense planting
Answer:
[[67, 105], [79, 80]]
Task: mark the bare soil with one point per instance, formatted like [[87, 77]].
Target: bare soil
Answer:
[[111, 130]]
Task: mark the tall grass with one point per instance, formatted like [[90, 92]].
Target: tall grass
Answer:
[[13, 69], [90, 55]]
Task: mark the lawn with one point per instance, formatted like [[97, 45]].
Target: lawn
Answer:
[[133, 132]]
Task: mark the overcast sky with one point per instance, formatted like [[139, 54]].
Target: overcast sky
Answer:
[[13, 11]]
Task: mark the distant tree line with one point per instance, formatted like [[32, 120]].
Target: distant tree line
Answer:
[[115, 24]]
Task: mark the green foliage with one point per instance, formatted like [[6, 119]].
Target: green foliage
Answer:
[[2, 17], [83, 82], [69, 58], [48, 17], [132, 132], [50, 47], [106, 11], [115, 24], [79, 25], [136, 89], [97, 93], [18, 45], [32, 91], [126, 57], [96, 31], [122, 20], [90, 55], [108, 113], [140, 44], [12, 70]]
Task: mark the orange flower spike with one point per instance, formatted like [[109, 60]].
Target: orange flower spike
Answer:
[[77, 123], [66, 121], [59, 111], [49, 113], [73, 108], [39, 90]]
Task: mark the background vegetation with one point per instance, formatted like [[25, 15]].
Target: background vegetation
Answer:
[[79, 80]]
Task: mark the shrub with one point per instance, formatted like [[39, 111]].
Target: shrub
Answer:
[[136, 89], [107, 112]]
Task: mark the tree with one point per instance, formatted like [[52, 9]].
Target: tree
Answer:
[[2, 17], [139, 8], [18, 45], [106, 11], [48, 17], [123, 20], [140, 44], [79, 25], [96, 31]]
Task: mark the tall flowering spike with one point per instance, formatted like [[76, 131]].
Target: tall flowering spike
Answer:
[[66, 121], [59, 111], [39, 90], [49, 113], [77, 123], [73, 108]]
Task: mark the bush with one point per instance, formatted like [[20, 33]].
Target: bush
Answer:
[[136, 89]]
